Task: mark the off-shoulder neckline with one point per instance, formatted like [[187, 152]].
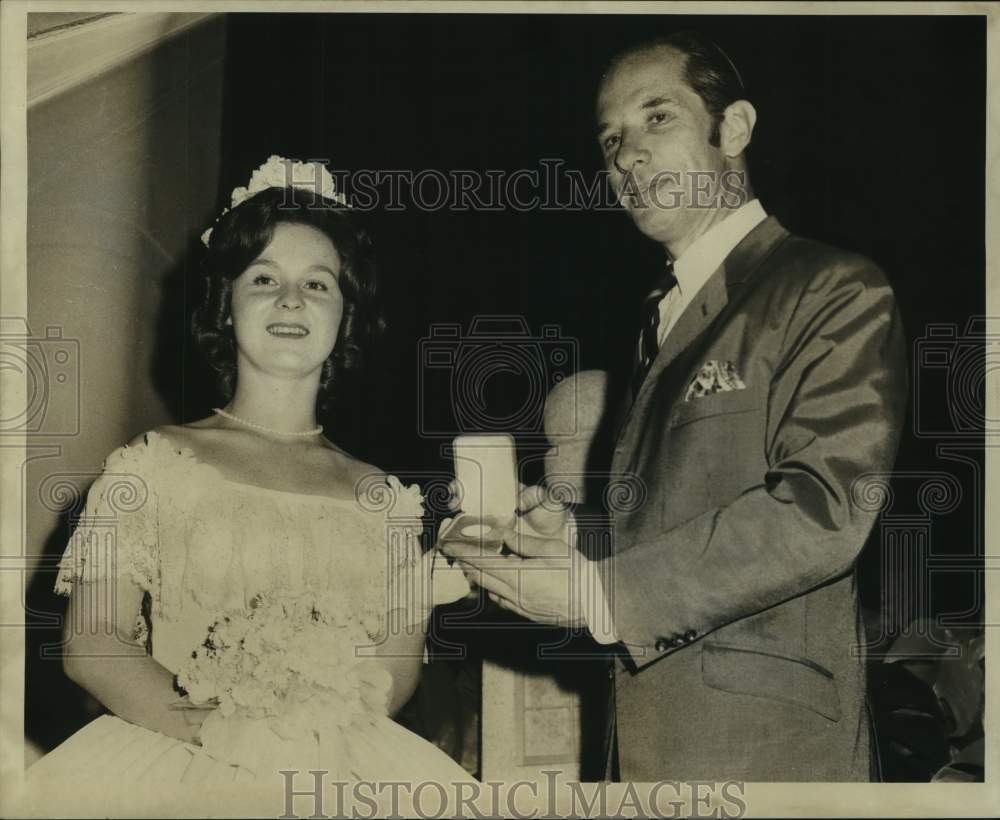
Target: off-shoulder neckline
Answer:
[[188, 453]]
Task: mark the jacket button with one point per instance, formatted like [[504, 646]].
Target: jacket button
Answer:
[[662, 644], [690, 635]]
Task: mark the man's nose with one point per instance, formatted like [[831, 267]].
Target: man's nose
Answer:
[[630, 154]]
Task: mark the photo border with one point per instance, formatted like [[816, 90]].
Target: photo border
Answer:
[[763, 800]]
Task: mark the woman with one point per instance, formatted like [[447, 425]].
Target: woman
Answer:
[[215, 516]]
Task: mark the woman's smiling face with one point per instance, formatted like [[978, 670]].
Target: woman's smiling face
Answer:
[[287, 306]]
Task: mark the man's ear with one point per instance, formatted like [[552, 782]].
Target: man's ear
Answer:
[[736, 128]]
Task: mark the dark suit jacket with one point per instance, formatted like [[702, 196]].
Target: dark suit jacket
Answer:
[[733, 585]]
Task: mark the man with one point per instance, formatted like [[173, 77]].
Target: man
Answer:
[[770, 377]]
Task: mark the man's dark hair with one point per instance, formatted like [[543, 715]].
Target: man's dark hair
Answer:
[[707, 70]]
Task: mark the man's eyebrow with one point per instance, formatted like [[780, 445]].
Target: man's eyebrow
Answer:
[[652, 102]]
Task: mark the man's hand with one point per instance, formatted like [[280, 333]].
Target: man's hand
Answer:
[[541, 582], [539, 513]]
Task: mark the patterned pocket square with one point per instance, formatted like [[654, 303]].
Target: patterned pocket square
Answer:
[[714, 377]]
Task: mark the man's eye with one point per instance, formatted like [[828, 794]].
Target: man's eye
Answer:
[[659, 117], [610, 142]]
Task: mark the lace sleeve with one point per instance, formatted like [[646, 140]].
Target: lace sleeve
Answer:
[[117, 535]]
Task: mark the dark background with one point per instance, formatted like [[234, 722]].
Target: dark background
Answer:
[[870, 136]]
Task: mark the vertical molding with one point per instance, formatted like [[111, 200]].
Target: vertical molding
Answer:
[[13, 397]]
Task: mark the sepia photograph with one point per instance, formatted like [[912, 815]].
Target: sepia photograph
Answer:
[[497, 409]]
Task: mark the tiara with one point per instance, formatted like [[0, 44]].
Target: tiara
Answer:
[[279, 172]]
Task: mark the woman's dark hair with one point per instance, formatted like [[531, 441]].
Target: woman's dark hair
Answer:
[[708, 71], [242, 234]]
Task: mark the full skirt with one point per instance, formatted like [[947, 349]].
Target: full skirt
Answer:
[[114, 768]]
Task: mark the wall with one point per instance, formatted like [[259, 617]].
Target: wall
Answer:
[[124, 144]]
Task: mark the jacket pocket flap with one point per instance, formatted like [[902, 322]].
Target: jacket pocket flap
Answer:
[[747, 671], [727, 401]]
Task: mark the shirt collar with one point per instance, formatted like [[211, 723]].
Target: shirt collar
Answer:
[[703, 257]]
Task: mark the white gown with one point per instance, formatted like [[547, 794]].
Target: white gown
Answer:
[[199, 544]]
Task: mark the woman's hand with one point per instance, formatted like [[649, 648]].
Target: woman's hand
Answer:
[[240, 741], [448, 582], [108, 663], [193, 715]]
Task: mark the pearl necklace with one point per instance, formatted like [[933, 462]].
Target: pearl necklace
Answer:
[[317, 430]]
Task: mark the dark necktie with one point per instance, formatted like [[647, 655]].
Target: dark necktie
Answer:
[[648, 342]]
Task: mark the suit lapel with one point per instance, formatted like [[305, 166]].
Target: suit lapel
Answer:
[[698, 315], [704, 309]]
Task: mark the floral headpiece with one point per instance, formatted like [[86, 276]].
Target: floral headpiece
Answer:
[[279, 172]]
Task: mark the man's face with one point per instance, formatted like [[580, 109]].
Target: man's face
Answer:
[[653, 130]]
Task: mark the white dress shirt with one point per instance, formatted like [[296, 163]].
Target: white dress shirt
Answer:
[[693, 269]]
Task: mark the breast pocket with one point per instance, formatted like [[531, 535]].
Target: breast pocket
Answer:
[[715, 452], [717, 404]]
